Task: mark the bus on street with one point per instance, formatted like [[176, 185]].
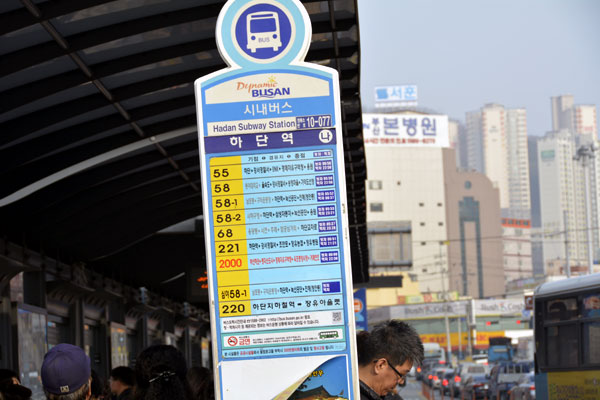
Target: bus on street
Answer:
[[567, 338]]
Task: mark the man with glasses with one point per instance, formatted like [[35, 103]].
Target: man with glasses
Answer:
[[385, 355]]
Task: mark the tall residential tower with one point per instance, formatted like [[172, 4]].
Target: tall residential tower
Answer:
[[496, 142]]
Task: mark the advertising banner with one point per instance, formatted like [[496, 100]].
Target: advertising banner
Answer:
[[402, 95], [479, 338], [269, 131], [360, 309], [405, 130]]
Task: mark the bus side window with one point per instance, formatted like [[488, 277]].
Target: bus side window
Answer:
[[561, 310], [591, 306], [591, 342], [562, 346]]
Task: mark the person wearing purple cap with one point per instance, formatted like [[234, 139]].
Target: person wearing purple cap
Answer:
[[67, 373]]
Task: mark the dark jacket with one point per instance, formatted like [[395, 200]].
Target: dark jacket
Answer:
[[366, 393], [126, 394], [392, 396]]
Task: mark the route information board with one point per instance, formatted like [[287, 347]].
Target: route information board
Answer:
[[275, 210]]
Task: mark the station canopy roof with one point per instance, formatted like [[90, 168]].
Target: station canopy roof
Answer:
[[98, 140]]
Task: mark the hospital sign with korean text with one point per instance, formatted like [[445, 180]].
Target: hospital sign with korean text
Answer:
[[405, 130]]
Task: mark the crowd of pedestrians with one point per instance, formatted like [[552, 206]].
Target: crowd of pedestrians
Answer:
[[160, 373], [385, 355]]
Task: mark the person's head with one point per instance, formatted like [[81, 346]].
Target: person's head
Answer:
[[9, 375], [201, 383], [12, 391], [160, 373], [121, 378], [10, 386], [387, 353], [66, 373], [98, 386]]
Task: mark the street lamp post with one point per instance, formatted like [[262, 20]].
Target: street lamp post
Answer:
[[585, 154]]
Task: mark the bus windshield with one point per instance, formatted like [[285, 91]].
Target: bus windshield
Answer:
[[262, 25]]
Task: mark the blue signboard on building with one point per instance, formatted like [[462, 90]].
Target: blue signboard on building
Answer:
[[269, 131], [360, 309]]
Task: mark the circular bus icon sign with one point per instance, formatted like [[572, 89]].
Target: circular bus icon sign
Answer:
[[263, 32], [358, 305]]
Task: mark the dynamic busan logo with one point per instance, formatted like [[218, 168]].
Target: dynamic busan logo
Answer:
[[267, 90]]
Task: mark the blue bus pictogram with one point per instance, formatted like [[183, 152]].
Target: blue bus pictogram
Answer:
[[262, 31]]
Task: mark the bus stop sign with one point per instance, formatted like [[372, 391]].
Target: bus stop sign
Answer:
[[275, 212]]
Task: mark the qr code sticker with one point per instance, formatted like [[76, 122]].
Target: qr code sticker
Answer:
[[337, 316]]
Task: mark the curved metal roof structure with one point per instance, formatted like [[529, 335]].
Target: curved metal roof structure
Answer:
[[98, 145]]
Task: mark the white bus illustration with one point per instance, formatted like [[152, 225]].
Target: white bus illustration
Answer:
[[262, 30]]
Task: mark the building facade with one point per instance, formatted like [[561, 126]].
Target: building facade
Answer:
[[475, 246], [585, 119], [562, 112], [564, 182], [518, 263], [487, 318], [496, 143], [517, 160], [563, 201], [451, 214], [407, 184]]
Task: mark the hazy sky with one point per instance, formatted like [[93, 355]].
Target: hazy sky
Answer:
[[464, 53]]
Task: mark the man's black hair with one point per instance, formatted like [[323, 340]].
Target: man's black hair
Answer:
[[393, 340], [124, 374]]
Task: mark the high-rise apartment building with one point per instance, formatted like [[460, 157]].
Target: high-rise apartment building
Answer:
[[537, 249], [517, 160], [562, 188], [456, 132], [473, 142], [562, 199], [578, 118], [496, 142], [585, 119], [562, 112]]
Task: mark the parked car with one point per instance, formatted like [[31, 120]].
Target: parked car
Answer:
[[456, 383], [427, 372], [419, 373], [424, 369], [439, 377], [447, 381], [475, 387], [525, 390], [471, 369], [505, 375], [428, 378], [458, 377]]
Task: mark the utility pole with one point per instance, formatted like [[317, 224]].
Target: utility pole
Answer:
[[445, 294], [460, 353], [585, 154], [566, 223]]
